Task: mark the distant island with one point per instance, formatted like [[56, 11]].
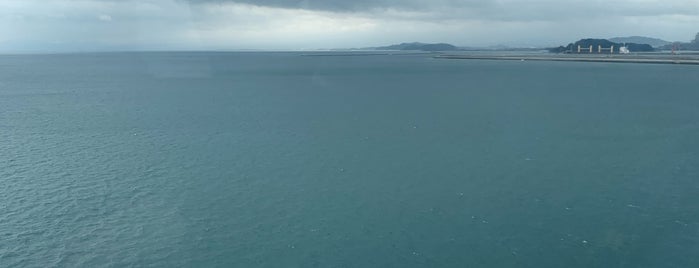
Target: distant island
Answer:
[[416, 46], [603, 43], [599, 50], [631, 43]]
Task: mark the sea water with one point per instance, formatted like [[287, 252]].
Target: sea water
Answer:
[[194, 159]]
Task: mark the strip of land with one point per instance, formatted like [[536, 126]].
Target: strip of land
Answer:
[[649, 58]]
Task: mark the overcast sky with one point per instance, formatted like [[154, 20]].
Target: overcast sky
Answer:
[[87, 25]]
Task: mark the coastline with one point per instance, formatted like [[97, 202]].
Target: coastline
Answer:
[[616, 58]]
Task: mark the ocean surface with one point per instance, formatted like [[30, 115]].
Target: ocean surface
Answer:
[[194, 159]]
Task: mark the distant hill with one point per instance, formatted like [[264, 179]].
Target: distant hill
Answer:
[[654, 42], [693, 45], [633, 47], [420, 47]]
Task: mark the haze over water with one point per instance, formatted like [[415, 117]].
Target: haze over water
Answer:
[[282, 160]]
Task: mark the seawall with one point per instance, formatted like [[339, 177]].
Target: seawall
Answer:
[[653, 59]]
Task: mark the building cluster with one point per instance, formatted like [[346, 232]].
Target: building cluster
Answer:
[[600, 50]]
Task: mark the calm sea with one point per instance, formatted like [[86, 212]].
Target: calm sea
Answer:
[[285, 160]]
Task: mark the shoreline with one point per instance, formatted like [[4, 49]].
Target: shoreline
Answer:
[[650, 59]]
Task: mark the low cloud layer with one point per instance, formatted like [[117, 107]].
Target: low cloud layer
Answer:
[[310, 24], [355, 5], [536, 10]]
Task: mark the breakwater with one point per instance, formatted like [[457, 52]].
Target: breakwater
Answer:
[[641, 58]]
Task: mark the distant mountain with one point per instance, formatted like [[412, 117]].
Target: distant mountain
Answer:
[[654, 42], [420, 47], [586, 43], [693, 45]]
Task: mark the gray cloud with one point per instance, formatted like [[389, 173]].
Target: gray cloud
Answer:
[[490, 9], [290, 24], [352, 5]]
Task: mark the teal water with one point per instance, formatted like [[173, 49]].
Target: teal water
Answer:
[[280, 160]]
